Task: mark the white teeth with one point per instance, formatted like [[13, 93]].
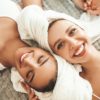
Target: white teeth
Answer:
[[80, 50], [23, 56]]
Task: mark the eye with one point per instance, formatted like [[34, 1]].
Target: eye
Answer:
[[84, 0], [29, 76], [60, 45], [72, 32], [40, 60]]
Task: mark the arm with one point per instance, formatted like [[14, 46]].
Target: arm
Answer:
[[30, 2]]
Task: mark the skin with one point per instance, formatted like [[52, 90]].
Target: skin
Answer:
[[11, 46], [69, 40], [36, 66], [30, 2], [74, 45], [95, 8], [80, 4], [91, 6]]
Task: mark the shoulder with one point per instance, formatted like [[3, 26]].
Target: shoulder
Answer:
[[8, 31]]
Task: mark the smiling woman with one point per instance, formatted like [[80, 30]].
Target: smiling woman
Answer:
[[71, 40], [37, 67], [65, 36]]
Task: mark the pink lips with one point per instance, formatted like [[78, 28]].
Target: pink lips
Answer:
[[23, 56], [80, 51]]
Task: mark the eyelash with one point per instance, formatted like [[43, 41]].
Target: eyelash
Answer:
[[40, 59], [60, 45], [71, 33], [29, 76]]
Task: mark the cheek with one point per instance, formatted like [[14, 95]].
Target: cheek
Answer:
[[64, 53]]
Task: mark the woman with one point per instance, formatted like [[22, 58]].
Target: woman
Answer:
[[12, 49], [66, 37], [37, 67]]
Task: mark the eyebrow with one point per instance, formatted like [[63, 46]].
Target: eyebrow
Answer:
[[66, 31], [29, 81], [69, 28]]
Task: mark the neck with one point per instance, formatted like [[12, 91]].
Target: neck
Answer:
[[92, 65]]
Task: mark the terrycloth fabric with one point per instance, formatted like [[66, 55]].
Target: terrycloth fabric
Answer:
[[33, 24], [69, 85], [93, 23], [9, 9], [27, 26]]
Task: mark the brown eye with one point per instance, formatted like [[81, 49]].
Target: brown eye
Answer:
[[72, 32], [60, 45], [41, 59]]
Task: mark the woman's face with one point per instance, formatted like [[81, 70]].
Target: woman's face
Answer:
[[69, 41], [36, 66]]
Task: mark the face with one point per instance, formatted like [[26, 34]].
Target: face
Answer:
[[36, 66], [69, 41]]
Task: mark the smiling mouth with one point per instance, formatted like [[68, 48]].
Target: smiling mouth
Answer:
[[80, 51], [23, 57]]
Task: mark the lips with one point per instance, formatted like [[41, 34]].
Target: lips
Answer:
[[21, 54], [23, 57], [80, 51]]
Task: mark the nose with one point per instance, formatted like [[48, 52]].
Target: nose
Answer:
[[32, 59], [72, 42]]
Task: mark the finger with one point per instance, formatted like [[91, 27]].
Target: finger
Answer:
[[32, 94], [23, 85], [35, 98], [26, 87], [89, 2], [85, 6]]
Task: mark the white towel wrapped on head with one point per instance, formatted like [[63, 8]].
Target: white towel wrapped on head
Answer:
[[69, 85], [33, 24]]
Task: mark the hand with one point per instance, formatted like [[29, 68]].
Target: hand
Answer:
[[83, 4], [95, 7], [31, 93], [87, 4]]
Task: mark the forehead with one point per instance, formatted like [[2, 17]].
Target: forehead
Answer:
[[59, 22], [58, 28]]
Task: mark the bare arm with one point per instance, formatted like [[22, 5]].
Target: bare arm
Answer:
[[30, 2]]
